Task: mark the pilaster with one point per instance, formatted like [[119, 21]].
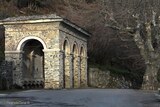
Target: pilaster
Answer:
[[71, 70], [61, 70], [84, 73], [51, 69], [79, 70], [67, 71]]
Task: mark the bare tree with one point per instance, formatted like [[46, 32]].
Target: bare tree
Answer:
[[139, 19]]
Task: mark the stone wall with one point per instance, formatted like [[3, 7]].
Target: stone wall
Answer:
[[103, 79], [6, 75], [46, 31], [16, 59]]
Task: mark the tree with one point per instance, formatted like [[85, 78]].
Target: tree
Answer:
[[140, 20]]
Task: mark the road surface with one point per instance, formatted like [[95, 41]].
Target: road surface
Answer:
[[80, 98]]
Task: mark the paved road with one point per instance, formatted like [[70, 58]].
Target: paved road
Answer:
[[80, 98]]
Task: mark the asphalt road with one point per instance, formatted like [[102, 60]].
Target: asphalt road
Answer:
[[80, 98]]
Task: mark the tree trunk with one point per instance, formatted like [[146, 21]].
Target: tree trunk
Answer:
[[150, 81]]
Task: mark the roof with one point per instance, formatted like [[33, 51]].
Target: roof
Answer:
[[41, 19]]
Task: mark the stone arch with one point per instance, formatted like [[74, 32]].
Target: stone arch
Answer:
[[82, 51], [32, 63], [75, 49], [66, 46], [66, 42], [24, 41], [66, 74]]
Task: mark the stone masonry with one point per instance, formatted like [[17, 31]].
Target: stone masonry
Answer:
[[46, 51]]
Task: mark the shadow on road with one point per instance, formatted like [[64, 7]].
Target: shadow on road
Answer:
[[32, 101], [151, 103]]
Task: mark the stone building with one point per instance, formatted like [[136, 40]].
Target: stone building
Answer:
[[45, 51]]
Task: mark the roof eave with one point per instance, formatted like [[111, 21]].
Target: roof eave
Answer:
[[3, 22], [76, 27], [30, 21]]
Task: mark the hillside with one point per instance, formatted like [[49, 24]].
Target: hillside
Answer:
[[107, 49]]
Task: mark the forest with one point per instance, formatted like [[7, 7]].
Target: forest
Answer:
[[125, 33]]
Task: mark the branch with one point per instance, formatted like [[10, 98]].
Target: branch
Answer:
[[139, 41], [113, 27], [154, 18], [128, 30], [140, 44], [149, 37], [114, 24]]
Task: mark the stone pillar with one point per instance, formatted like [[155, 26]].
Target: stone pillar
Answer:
[[84, 73], [76, 71], [71, 70], [79, 70], [61, 70], [32, 65], [67, 71], [51, 69], [16, 58]]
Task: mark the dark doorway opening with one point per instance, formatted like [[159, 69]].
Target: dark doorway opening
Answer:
[[33, 64]]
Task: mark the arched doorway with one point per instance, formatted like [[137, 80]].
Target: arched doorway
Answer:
[[33, 64]]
